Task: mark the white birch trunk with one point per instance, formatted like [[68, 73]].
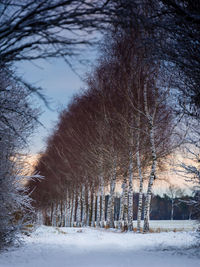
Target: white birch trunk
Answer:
[[110, 210], [140, 198], [78, 210], [58, 215], [172, 209], [130, 193], [89, 209], [93, 208], [121, 210], [125, 204], [52, 213], [49, 215], [102, 203], [153, 167], [139, 212], [55, 214], [67, 223], [123, 214], [84, 208], [61, 214], [69, 208], [73, 205], [98, 207], [65, 213]]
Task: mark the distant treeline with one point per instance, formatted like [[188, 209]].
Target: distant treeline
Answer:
[[161, 208]]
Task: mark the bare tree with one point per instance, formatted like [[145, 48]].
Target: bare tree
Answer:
[[174, 192], [180, 22], [40, 29], [190, 169], [173, 37], [124, 112]]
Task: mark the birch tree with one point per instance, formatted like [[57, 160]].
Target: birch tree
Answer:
[[150, 118], [173, 192]]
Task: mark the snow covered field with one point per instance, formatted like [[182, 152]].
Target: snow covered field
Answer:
[[172, 225], [76, 247]]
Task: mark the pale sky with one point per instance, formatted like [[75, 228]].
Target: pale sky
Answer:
[[59, 84]]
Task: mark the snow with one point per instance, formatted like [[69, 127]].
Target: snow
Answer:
[[80, 247], [172, 225]]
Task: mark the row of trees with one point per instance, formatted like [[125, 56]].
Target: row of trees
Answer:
[[118, 130], [30, 30], [162, 208], [122, 125]]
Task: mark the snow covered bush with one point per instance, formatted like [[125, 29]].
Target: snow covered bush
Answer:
[[17, 120], [190, 169]]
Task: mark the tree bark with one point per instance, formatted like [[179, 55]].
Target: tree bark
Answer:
[[98, 207], [84, 208], [130, 192], [153, 166], [121, 210], [110, 210], [102, 203], [78, 209], [73, 205], [89, 207], [139, 212], [172, 209], [93, 209], [125, 204]]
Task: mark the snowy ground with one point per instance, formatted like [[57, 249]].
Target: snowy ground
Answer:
[[76, 247]]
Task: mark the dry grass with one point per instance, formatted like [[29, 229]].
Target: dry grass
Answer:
[[79, 231], [27, 229], [165, 230], [60, 231], [29, 226]]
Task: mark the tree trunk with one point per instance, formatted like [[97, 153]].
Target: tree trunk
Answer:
[[121, 209], [55, 214], [125, 204], [102, 204], [65, 213], [110, 210], [130, 192], [52, 212], [84, 209], [78, 209], [139, 167], [98, 207], [172, 209], [150, 184], [89, 207], [61, 214], [73, 205], [153, 166], [93, 209], [69, 206], [139, 213]]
